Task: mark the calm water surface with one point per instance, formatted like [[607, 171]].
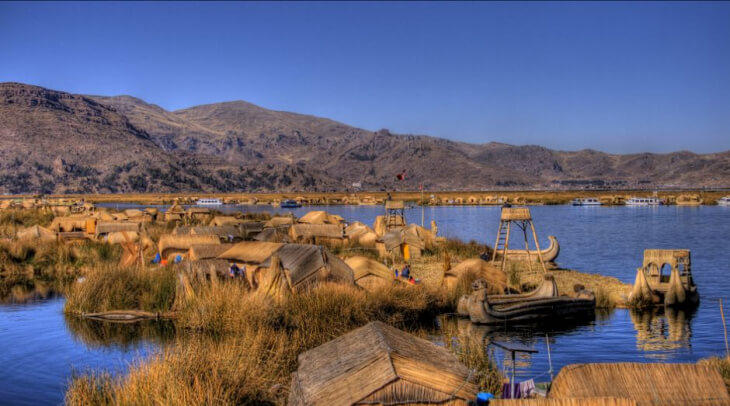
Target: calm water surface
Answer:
[[39, 348]]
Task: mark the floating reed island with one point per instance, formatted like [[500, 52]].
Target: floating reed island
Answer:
[[314, 310]]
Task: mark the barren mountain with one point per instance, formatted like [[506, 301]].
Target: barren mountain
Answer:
[[59, 142]]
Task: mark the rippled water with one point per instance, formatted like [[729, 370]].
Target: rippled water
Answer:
[[39, 348]]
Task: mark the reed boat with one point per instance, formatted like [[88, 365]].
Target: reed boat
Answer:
[[549, 254], [542, 303], [665, 278]]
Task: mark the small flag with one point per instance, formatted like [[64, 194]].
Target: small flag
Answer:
[[401, 176]]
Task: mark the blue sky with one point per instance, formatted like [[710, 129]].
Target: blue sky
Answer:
[[619, 77]]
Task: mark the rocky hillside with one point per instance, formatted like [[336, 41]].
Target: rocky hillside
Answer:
[[59, 142]]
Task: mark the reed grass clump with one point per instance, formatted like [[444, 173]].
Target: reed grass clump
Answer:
[[604, 299], [117, 288], [722, 364]]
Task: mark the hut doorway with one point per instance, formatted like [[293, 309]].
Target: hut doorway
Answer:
[[664, 273]]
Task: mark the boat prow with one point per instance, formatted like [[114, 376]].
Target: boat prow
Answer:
[[549, 254]]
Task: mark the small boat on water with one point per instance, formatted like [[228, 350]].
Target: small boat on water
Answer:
[[724, 201], [644, 201], [665, 278], [290, 204], [586, 201], [542, 303], [208, 202]]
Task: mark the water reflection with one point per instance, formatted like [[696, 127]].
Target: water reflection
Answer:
[[531, 335], [14, 293], [661, 331], [123, 336]]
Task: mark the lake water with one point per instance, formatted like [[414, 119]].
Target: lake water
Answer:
[[39, 348]]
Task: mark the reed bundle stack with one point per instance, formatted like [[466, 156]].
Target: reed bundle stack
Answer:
[[328, 234], [379, 364], [361, 234], [199, 252], [647, 384]]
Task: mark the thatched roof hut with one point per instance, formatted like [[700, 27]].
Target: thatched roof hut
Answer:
[[647, 384], [36, 233], [564, 402], [279, 221], [379, 364], [225, 221], [329, 234], [250, 252], [369, 274], [226, 233], [197, 212], [70, 223], [121, 237], [307, 264], [320, 217], [361, 234], [180, 244], [209, 267], [408, 242], [207, 251], [103, 228], [272, 235], [495, 277]]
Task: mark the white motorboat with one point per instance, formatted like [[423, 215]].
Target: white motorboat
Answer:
[[208, 202], [586, 201], [644, 201]]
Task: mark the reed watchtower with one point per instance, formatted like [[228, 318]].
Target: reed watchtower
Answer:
[[521, 217], [395, 214]]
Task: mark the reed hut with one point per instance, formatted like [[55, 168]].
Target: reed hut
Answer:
[[208, 268], [224, 233], [170, 245], [250, 252], [320, 217], [70, 223], [120, 237], [407, 243], [273, 235], [225, 221], [306, 265], [174, 213], [279, 221], [252, 228], [199, 252], [370, 274], [198, 213], [36, 233], [379, 364], [6, 204], [647, 384], [135, 215], [564, 402], [331, 235], [361, 234], [495, 277], [152, 213], [104, 228]]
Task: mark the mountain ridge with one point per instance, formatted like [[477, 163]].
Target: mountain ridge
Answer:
[[113, 144]]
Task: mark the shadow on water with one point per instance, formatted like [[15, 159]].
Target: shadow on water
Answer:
[[660, 331], [123, 336]]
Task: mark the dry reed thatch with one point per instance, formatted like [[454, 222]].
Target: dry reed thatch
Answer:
[[225, 221], [251, 252], [272, 235], [36, 233], [380, 364], [368, 273], [279, 221], [647, 384], [222, 232], [121, 237], [308, 264], [494, 276], [299, 232], [207, 251], [114, 227], [564, 402], [320, 217], [180, 244]]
